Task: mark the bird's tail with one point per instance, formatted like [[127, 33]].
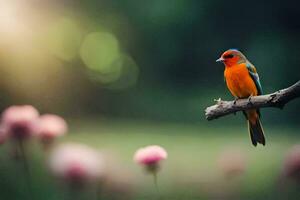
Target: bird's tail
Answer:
[[256, 132]]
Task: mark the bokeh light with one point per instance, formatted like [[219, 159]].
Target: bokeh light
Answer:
[[124, 74], [128, 75], [64, 38], [100, 51]]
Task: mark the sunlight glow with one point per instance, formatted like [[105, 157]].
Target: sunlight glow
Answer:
[[11, 23]]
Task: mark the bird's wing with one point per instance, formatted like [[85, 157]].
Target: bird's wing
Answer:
[[254, 75]]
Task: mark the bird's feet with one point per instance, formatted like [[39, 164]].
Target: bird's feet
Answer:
[[249, 100], [235, 99], [234, 103]]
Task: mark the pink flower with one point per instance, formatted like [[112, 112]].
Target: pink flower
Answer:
[[291, 167], [51, 126], [232, 163], [76, 163], [150, 155], [20, 121]]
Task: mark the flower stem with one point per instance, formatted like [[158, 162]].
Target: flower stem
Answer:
[[156, 184], [26, 168], [155, 180]]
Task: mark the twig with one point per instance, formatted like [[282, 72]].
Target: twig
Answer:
[[277, 99]]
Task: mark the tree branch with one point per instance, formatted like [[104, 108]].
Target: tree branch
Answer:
[[277, 99]]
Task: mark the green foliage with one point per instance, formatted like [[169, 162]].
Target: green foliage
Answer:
[[151, 60]]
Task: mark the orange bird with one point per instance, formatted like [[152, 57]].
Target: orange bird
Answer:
[[242, 81]]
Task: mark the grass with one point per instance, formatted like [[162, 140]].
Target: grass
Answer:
[[191, 171]]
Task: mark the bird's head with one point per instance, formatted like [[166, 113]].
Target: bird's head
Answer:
[[232, 57]]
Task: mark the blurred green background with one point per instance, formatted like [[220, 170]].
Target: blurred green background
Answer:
[[128, 73]]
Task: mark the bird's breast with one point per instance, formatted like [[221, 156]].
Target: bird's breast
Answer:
[[239, 82]]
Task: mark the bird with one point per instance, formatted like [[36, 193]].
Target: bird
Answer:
[[242, 80]]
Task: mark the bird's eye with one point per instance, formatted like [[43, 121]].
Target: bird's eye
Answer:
[[229, 56]]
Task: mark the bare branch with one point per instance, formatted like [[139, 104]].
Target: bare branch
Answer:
[[277, 99]]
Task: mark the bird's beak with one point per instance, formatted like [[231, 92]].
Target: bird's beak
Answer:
[[220, 60]]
